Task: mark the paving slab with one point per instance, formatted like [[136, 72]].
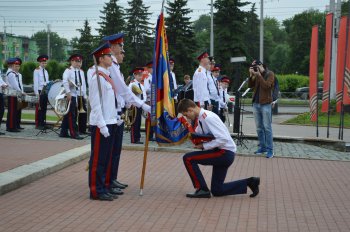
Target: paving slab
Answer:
[[296, 195]]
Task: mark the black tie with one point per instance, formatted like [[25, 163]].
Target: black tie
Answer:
[[115, 97], [142, 91], [81, 85], [206, 74], [200, 123], [223, 95], [76, 80], [19, 84], [44, 75], [215, 83]]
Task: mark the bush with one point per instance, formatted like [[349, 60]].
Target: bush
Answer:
[[27, 70], [289, 82], [55, 69]]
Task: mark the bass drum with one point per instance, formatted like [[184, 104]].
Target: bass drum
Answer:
[[53, 90]]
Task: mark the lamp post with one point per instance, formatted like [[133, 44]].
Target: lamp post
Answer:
[[4, 42]]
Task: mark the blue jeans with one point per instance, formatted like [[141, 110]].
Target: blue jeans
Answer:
[[263, 121]]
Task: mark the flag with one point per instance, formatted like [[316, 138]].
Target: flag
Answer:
[[169, 130], [327, 62], [313, 73]]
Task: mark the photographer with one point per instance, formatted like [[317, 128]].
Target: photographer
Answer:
[[261, 80]]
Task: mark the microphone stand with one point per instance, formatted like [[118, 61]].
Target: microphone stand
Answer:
[[238, 123]]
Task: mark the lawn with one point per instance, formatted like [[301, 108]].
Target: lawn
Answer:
[[29, 116], [304, 119]]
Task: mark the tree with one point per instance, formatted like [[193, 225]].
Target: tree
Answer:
[[138, 47], [85, 44], [181, 38], [201, 28], [112, 19], [299, 29], [57, 44], [252, 34], [230, 28]]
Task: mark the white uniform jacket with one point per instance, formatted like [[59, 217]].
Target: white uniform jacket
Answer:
[[143, 95], [210, 123], [14, 80], [105, 114], [83, 84], [200, 86], [122, 89], [147, 84], [70, 76], [213, 87], [89, 74], [39, 80]]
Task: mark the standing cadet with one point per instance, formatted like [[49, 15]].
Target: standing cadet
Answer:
[[82, 96], [103, 121], [200, 82], [3, 85], [148, 87], [124, 94], [71, 85], [40, 80], [14, 80], [224, 83], [214, 87], [219, 153], [140, 92]]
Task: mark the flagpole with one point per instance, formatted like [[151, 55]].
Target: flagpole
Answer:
[[148, 125], [341, 121]]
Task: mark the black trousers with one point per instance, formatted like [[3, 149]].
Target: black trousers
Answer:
[[12, 115], [69, 120], [40, 112], [2, 107], [82, 117], [136, 127]]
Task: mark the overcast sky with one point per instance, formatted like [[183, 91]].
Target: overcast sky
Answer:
[[25, 17]]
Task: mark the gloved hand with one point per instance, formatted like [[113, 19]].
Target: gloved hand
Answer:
[[104, 131], [146, 108]]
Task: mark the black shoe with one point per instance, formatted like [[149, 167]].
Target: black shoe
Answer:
[[152, 139], [2, 133], [115, 196], [13, 130], [199, 194], [40, 127], [20, 128], [125, 185], [103, 197], [116, 191], [116, 184], [138, 142], [77, 137], [64, 135], [253, 183]]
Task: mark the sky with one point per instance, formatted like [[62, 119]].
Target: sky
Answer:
[[26, 17]]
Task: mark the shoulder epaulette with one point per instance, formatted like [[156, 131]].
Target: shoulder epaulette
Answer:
[[199, 69], [69, 68], [204, 115], [91, 67], [38, 68]]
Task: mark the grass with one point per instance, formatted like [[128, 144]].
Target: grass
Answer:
[[28, 116], [282, 102], [334, 118]]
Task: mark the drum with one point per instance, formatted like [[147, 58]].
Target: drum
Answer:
[[31, 99], [53, 90], [47, 87], [4, 91], [13, 93]]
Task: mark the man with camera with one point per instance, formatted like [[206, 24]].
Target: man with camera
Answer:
[[261, 80]]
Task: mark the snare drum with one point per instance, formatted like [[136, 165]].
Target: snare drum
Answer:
[[31, 99], [13, 93]]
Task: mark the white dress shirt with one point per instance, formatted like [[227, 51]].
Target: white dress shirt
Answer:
[[223, 98], [14, 80], [174, 82], [105, 114], [210, 123], [122, 89], [142, 96], [71, 75], [200, 86], [213, 87], [83, 83], [39, 79], [90, 73]]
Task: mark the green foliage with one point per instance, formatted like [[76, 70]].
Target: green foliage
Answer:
[[202, 24], [27, 70], [304, 119], [139, 43], [55, 69], [289, 82], [57, 45], [112, 19], [181, 38], [251, 36]]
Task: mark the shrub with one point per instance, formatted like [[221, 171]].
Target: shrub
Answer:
[[27, 70], [289, 82]]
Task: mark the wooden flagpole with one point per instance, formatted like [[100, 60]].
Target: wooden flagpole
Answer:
[[148, 125]]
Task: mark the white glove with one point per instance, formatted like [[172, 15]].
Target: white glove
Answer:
[[128, 105], [104, 131], [146, 108]]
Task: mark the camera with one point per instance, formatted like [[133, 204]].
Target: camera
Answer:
[[255, 67]]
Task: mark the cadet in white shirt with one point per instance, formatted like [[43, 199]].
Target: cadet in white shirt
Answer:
[[3, 85], [40, 80], [81, 98], [219, 153], [200, 82], [147, 83], [136, 86], [213, 87], [103, 121], [71, 85], [224, 83], [14, 81], [124, 95]]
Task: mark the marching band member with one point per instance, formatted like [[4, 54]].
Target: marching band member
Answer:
[[219, 153], [41, 79], [148, 87], [214, 87], [200, 82], [82, 96], [3, 85], [124, 94], [140, 92], [224, 83], [14, 80], [172, 64], [71, 85], [103, 121]]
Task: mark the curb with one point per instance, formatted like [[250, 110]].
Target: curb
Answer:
[[25, 174]]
